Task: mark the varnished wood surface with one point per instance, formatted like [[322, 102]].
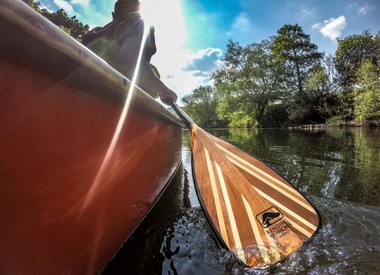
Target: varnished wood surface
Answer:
[[256, 213], [59, 108]]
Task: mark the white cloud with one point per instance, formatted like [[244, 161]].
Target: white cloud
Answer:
[[185, 71], [361, 9], [365, 9], [62, 4], [308, 12], [80, 2], [241, 29], [205, 61], [46, 8], [241, 23], [332, 28], [184, 83], [317, 26]]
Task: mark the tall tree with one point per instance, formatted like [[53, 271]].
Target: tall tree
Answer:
[[351, 52], [201, 105], [322, 90], [248, 82], [294, 49], [367, 92]]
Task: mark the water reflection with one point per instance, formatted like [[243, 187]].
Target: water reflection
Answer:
[[332, 163], [328, 165]]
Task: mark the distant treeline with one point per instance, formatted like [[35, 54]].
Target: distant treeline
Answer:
[[284, 80], [70, 25]]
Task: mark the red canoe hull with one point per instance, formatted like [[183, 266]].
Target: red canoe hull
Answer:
[[65, 205]]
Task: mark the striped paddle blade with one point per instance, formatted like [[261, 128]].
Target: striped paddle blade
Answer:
[[254, 212]]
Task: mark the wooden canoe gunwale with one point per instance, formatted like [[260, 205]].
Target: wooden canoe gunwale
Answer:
[[25, 31]]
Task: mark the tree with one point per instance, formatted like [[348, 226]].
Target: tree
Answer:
[[247, 83], [201, 105], [367, 92], [292, 48], [351, 52], [71, 25], [61, 19], [322, 90]]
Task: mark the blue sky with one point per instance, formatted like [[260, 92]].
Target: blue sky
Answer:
[[191, 35]]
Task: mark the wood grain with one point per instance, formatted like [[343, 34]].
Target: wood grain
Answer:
[[257, 214]]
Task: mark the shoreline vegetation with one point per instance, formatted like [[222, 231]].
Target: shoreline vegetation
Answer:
[[313, 126], [349, 124], [328, 125], [283, 81]]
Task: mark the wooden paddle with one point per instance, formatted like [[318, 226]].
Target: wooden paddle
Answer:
[[253, 211]]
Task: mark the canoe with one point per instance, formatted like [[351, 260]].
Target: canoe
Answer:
[[72, 188]]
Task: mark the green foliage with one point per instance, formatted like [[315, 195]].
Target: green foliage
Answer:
[[285, 80], [201, 106], [335, 121], [352, 51], [70, 25], [65, 29], [241, 120], [60, 18], [248, 82], [321, 90], [293, 49], [367, 92]]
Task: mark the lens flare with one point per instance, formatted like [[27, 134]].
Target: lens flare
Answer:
[[100, 176]]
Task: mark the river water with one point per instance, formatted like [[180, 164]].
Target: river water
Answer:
[[337, 169]]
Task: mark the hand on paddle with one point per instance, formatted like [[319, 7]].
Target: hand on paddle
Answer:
[[168, 96]]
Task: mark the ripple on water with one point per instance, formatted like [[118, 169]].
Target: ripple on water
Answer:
[[188, 246], [349, 233], [348, 242]]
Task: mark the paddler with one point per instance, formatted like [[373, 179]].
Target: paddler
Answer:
[[119, 43]]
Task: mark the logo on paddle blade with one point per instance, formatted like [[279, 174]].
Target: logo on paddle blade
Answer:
[[269, 216]]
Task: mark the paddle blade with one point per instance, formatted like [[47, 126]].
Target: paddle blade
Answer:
[[254, 212]]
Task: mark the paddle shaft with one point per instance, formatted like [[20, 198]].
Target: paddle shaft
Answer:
[[181, 113]]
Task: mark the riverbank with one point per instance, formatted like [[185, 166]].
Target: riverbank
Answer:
[[341, 124]]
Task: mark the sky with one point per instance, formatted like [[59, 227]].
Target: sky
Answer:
[[191, 35]]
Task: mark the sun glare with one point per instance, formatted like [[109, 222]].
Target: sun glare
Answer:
[[105, 166], [167, 18]]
